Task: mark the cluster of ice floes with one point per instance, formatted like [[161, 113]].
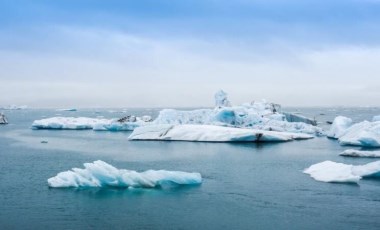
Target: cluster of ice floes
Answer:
[[329, 171], [359, 153], [211, 133], [101, 174], [90, 123], [365, 133]]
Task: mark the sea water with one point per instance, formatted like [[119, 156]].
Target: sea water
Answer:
[[245, 185]]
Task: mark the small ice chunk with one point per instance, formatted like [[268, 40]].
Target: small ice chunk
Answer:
[[358, 153], [329, 171], [101, 174]]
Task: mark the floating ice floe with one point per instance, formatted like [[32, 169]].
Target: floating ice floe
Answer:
[[79, 123], [359, 153], [376, 118], [68, 110], [210, 133], [339, 126], [329, 171], [366, 134], [101, 174], [258, 115], [14, 107], [3, 119]]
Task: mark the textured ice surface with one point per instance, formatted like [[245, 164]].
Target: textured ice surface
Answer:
[[210, 133], [359, 153], [86, 123], [221, 99], [101, 174], [256, 116], [339, 126], [329, 171], [365, 133]]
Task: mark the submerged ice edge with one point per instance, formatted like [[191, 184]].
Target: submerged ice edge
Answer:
[[333, 172], [101, 174]]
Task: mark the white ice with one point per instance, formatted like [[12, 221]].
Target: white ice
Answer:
[[86, 123], [210, 133], [253, 116], [329, 171], [101, 174], [339, 126], [365, 133], [376, 118], [359, 153]]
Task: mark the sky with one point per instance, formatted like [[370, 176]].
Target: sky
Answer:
[[171, 53]]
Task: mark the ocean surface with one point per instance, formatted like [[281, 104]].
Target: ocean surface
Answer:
[[245, 186]]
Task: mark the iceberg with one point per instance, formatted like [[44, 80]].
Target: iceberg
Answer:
[[210, 133], [256, 116], [101, 174], [339, 126], [358, 153], [3, 119], [365, 133], [68, 110], [376, 118], [79, 123], [329, 171], [221, 99]]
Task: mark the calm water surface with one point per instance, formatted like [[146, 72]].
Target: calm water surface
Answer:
[[246, 186]]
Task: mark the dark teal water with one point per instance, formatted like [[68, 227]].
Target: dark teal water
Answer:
[[246, 186]]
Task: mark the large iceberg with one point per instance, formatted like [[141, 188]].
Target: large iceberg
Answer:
[[210, 133], [90, 123], [365, 133], [329, 171], [101, 174], [258, 115], [359, 153]]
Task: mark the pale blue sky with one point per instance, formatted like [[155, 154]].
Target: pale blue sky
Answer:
[[87, 53]]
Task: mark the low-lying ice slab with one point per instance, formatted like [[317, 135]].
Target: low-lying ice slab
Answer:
[[210, 133], [78, 123], [101, 174], [365, 133], [329, 171], [358, 153]]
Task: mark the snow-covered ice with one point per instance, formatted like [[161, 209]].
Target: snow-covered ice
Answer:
[[339, 126], [101, 174], [329, 171], [210, 133], [86, 123], [359, 153], [365, 133]]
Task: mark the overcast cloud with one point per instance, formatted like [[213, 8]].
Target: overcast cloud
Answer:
[[178, 53]]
